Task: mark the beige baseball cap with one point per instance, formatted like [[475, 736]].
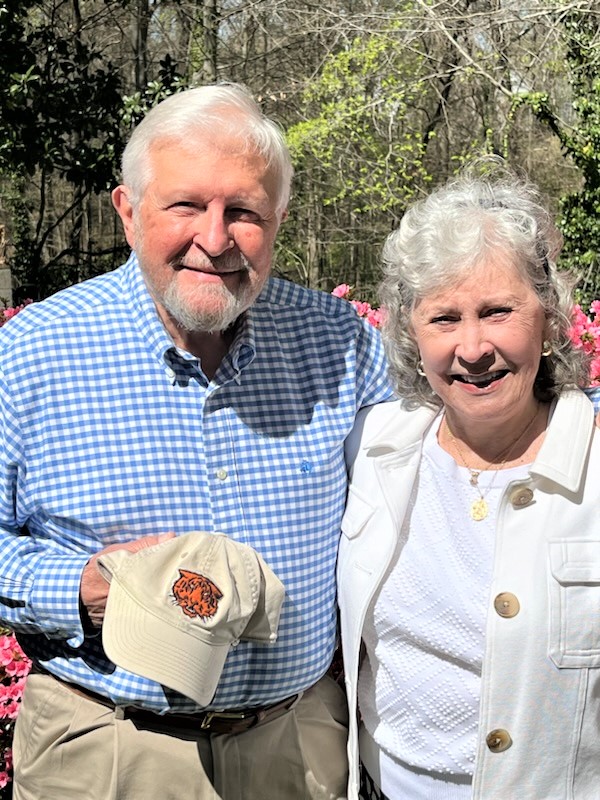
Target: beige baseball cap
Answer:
[[175, 609]]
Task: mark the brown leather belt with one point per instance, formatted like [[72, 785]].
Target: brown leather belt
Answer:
[[230, 721]]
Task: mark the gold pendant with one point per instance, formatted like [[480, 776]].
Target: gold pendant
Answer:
[[473, 480], [479, 509]]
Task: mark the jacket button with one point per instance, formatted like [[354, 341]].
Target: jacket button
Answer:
[[498, 740], [506, 604], [521, 496]]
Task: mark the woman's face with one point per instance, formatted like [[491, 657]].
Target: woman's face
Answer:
[[480, 342]]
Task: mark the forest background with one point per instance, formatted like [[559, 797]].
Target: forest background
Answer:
[[380, 101]]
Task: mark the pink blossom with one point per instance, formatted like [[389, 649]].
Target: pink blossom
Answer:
[[20, 667], [12, 691], [4, 779], [579, 324], [375, 317], [362, 308], [585, 335], [6, 694], [12, 659], [10, 710], [343, 291], [9, 313]]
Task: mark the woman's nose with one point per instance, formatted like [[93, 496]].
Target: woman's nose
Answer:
[[473, 346]]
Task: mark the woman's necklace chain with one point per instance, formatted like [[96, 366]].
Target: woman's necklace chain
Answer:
[[479, 507]]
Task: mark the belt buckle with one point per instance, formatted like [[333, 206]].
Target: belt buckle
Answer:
[[227, 715]]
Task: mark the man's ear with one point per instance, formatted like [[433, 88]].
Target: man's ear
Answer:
[[124, 208]]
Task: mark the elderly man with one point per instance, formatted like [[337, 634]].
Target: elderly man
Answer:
[[187, 391]]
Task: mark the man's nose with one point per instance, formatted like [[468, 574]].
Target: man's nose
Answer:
[[212, 232]]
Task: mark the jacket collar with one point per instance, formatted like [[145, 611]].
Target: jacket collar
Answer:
[[561, 458], [565, 450], [399, 429]]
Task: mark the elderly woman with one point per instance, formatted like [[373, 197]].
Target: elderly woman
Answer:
[[469, 567]]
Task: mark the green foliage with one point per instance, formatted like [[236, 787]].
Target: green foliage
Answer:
[[361, 131], [169, 81], [60, 106], [579, 211], [59, 102]]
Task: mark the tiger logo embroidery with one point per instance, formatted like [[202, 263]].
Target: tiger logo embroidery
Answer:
[[196, 595]]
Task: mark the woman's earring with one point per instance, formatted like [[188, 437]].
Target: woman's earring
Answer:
[[547, 349], [420, 369]]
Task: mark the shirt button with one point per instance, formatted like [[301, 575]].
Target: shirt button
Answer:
[[221, 474], [521, 496], [498, 740], [507, 605]]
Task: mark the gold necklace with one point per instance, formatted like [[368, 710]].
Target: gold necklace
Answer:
[[479, 507]]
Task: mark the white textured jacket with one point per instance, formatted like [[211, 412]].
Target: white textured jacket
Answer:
[[540, 694]]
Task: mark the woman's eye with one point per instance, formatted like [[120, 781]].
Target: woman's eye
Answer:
[[492, 312], [443, 319]]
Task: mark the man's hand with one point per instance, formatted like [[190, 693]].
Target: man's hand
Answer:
[[93, 589], [598, 419]]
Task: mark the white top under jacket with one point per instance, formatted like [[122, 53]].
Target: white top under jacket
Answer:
[[539, 724]]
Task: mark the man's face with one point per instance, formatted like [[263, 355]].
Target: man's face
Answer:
[[204, 231]]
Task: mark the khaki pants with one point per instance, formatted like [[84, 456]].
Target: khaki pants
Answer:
[[68, 747]]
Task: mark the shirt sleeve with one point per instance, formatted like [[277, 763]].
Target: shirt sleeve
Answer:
[[373, 383], [594, 395], [40, 577]]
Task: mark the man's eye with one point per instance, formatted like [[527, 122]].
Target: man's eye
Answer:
[[244, 214]]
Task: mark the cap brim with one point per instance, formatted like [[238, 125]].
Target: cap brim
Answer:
[[136, 640]]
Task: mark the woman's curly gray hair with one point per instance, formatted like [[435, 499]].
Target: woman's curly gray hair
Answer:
[[457, 228]]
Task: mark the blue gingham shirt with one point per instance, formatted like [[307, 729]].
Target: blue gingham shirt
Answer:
[[111, 433], [594, 395]]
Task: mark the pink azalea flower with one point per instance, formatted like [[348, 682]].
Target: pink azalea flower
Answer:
[[375, 317], [343, 291], [362, 308], [579, 324], [9, 313], [4, 779], [5, 693], [21, 667], [585, 335], [9, 710]]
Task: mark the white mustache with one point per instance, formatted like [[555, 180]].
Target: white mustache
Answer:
[[228, 262]]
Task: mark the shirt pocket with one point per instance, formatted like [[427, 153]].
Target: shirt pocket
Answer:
[[574, 602]]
